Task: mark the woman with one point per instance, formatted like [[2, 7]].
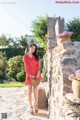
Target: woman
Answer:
[[32, 67]]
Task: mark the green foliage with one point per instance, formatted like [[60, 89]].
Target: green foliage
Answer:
[[15, 66], [41, 65], [32, 42], [21, 76], [23, 42], [3, 66], [3, 41], [15, 63], [11, 74], [13, 42], [74, 26], [12, 84], [10, 42], [45, 42], [3, 55], [45, 73], [41, 52], [12, 52], [39, 30]]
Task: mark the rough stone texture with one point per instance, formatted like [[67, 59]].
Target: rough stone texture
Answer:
[[71, 108], [70, 97], [63, 60], [43, 96], [53, 30], [14, 102]]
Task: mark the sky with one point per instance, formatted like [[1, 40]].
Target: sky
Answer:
[[16, 16]]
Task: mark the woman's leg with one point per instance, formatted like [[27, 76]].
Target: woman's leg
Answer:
[[30, 98], [30, 94], [36, 98]]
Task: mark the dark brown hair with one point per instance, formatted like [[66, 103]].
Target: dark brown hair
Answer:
[[35, 52]]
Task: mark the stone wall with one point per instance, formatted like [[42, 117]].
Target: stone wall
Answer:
[[66, 60], [63, 60], [54, 28]]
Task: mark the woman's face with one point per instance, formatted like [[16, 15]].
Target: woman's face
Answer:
[[32, 49]]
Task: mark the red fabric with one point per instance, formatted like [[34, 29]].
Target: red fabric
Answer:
[[32, 67]]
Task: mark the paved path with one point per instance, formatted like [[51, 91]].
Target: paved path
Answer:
[[14, 103]]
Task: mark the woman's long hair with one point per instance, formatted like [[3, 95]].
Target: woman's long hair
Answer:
[[35, 52]]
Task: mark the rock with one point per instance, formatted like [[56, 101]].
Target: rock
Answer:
[[43, 95], [70, 97], [42, 98]]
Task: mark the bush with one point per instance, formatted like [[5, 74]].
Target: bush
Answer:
[[15, 66], [3, 66], [21, 76], [12, 52], [1, 79], [11, 74], [41, 65]]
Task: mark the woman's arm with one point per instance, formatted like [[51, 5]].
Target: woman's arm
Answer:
[[25, 60]]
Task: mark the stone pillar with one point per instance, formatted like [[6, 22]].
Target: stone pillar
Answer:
[[59, 26], [55, 26], [51, 33], [51, 45]]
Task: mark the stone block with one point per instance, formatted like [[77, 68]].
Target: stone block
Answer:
[[43, 95], [69, 61], [66, 89]]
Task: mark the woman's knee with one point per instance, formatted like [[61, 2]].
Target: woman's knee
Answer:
[[35, 89], [29, 89]]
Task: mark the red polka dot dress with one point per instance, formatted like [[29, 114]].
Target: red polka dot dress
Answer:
[[32, 66]]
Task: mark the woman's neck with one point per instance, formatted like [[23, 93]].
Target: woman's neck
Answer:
[[30, 54]]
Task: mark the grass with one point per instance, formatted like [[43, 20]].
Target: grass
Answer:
[[13, 84]]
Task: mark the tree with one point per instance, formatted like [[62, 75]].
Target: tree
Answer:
[[39, 29], [13, 42], [23, 42], [3, 41], [32, 42], [9, 41], [74, 26]]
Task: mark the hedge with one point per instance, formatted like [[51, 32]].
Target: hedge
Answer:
[[11, 52]]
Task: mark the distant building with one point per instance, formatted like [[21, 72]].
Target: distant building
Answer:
[[31, 39]]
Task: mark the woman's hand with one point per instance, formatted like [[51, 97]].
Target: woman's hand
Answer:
[[32, 76], [38, 75]]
